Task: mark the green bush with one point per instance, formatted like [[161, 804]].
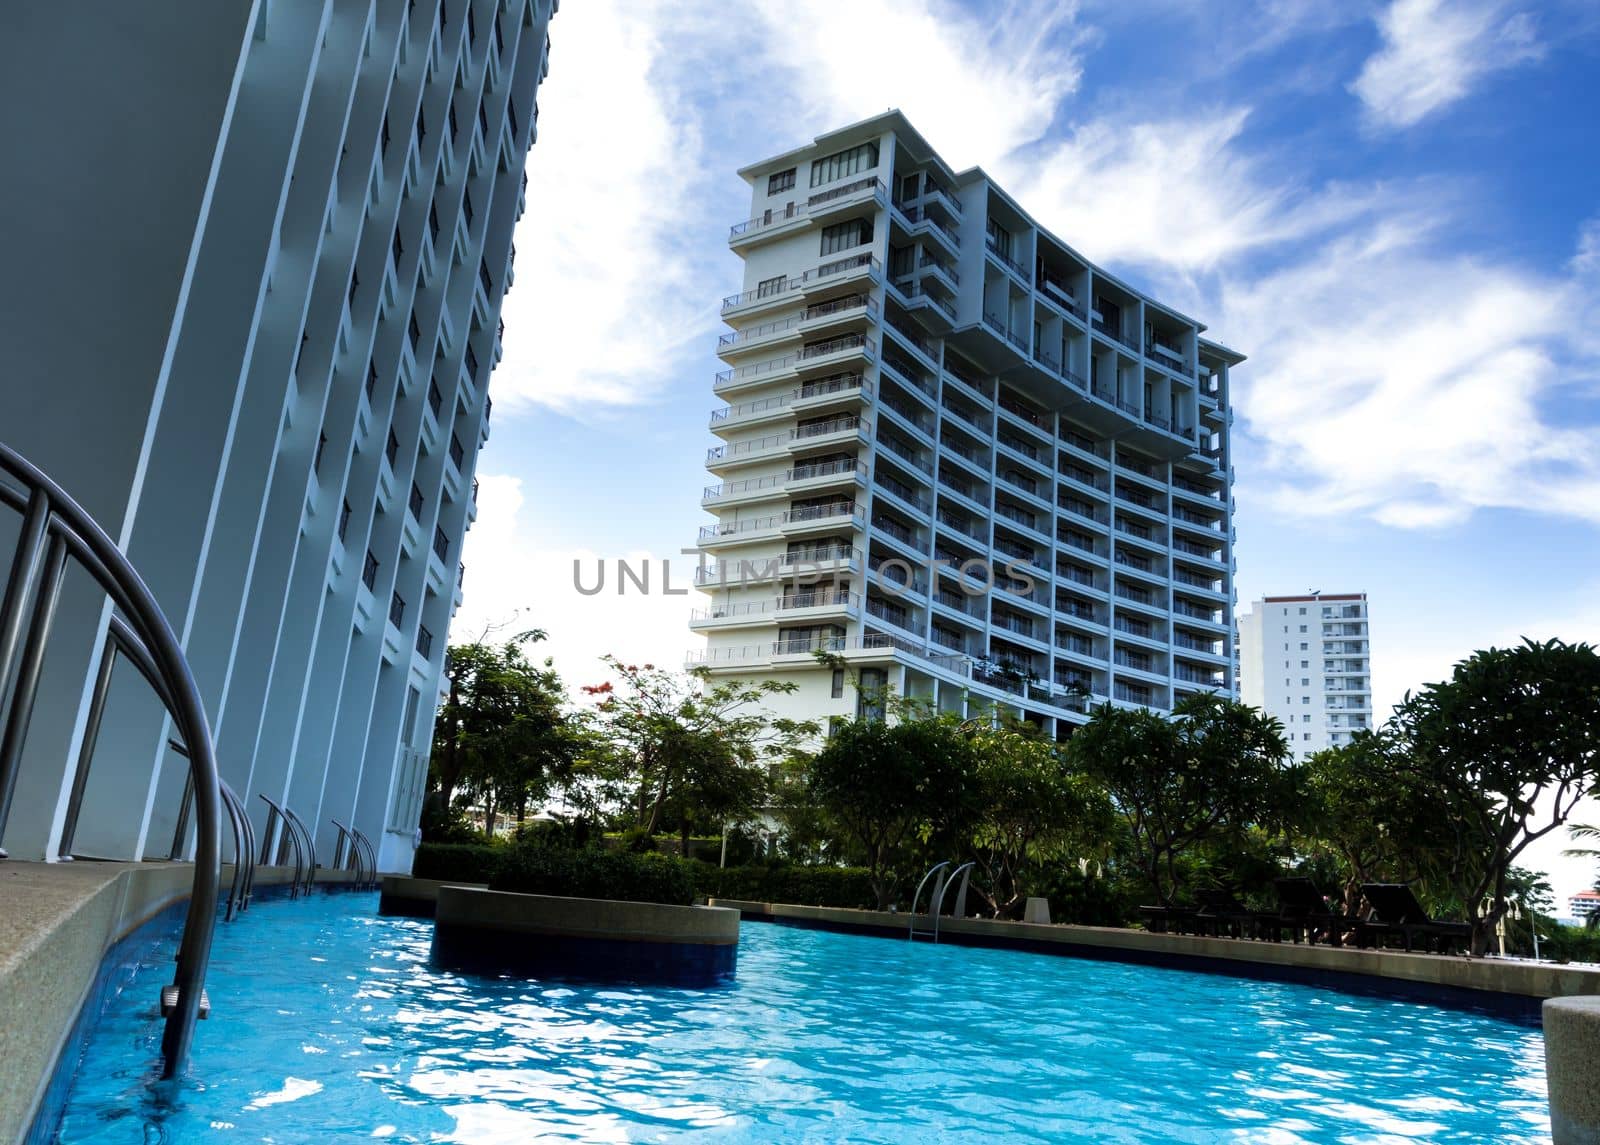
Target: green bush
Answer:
[[637, 840], [442, 824], [464, 862], [1087, 900], [592, 873], [803, 886]]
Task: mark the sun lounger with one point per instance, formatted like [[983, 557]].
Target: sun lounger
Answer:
[[1396, 912], [1303, 910]]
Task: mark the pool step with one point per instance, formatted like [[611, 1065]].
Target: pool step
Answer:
[[169, 1001]]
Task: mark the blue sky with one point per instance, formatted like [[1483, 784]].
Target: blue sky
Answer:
[[1393, 209]]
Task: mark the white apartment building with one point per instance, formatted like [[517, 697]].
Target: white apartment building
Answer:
[[1307, 661], [956, 453], [255, 264]]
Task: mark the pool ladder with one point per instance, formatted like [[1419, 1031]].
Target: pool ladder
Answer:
[[55, 528], [941, 886], [355, 850]]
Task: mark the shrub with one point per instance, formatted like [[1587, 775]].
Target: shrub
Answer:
[[464, 862], [529, 868], [803, 886], [442, 824], [637, 840]]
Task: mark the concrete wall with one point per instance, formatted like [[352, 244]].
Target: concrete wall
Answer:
[[230, 233]]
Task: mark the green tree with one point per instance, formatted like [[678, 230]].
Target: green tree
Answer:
[[1030, 810], [1215, 769], [677, 744], [1512, 739], [886, 785], [1377, 815], [502, 733]]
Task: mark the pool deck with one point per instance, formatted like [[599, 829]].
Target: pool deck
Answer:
[[60, 920], [1512, 988]]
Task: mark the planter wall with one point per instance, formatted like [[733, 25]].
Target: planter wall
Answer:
[[498, 932]]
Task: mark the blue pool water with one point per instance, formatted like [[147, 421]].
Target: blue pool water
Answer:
[[329, 1025]]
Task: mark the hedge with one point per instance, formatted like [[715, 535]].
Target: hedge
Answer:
[[462, 862], [803, 886], [594, 874]]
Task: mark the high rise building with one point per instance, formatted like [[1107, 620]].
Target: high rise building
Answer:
[[1307, 661], [254, 276], [956, 453]]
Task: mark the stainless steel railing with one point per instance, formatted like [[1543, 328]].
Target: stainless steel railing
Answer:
[[54, 528]]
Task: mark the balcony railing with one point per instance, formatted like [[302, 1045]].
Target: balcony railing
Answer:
[[754, 333], [441, 544], [822, 428], [397, 609], [824, 598], [838, 346], [1016, 267], [846, 189], [825, 469], [819, 512]]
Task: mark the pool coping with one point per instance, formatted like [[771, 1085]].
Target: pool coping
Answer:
[[59, 960], [1513, 990]]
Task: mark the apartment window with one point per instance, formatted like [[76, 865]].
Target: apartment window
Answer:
[[838, 673], [780, 182], [415, 502], [398, 247], [472, 364], [1305, 647], [344, 520], [842, 236], [1302, 612], [1306, 719], [455, 128], [1305, 663], [767, 287], [467, 208], [322, 444], [369, 571], [355, 282], [424, 637], [1305, 682], [456, 452], [435, 398], [870, 694], [383, 139], [1305, 735], [1305, 699], [422, 126], [842, 163], [391, 448], [397, 609], [1302, 628], [372, 378], [414, 331], [999, 238], [472, 27], [441, 544], [433, 221], [1286, 628]]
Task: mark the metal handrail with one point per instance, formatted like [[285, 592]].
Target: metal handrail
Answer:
[[238, 854], [372, 858], [287, 837], [355, 852], [933, 870], [54, 527], [311, 847], [246, 885]]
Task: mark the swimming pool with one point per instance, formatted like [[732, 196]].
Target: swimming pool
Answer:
[[329, 1025]]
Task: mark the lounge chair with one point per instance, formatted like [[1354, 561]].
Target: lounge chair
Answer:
[[1221, 915], [1167, 919], [1396, 911], [1304, 910]]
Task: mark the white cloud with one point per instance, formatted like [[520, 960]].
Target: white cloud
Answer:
[[1434, 51], [513, 582], [1393, 381], [977, 85], [606, 252], [1175, 194]]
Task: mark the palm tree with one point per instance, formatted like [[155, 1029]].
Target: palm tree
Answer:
[[1586, 831]]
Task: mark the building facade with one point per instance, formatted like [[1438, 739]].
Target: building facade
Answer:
[[1307, 661], [955, 453], [250, 327], [1584, 905]]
